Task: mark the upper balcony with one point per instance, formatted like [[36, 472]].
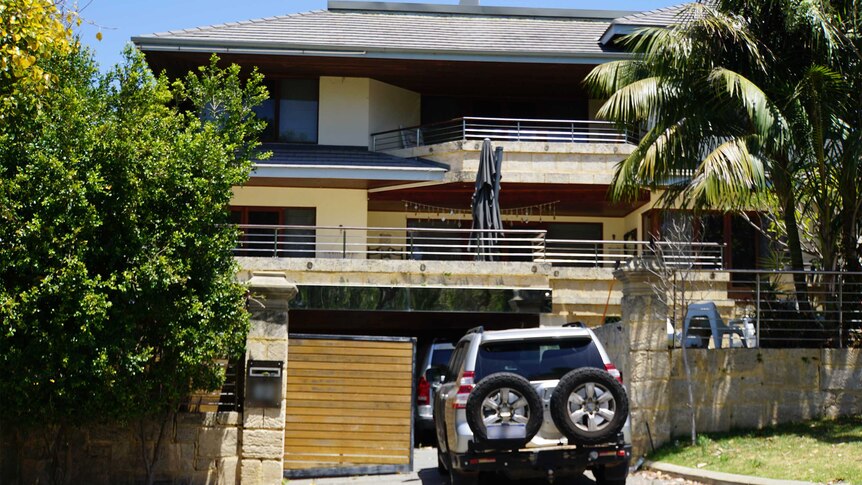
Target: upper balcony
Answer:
[[519, 130]]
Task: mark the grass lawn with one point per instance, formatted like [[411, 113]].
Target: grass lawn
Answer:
[[816, 451]]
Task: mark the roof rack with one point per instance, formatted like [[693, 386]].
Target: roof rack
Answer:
[[479, 329], [575, 324]]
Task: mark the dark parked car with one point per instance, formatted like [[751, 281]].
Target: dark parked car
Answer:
[[435, 356]]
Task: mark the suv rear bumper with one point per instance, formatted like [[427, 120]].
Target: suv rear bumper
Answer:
[[537, 462]]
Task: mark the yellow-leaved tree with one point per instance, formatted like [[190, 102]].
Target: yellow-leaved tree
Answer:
[[30, 31]]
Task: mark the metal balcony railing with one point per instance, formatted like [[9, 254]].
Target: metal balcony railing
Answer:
[[454, 244], [501, 129]]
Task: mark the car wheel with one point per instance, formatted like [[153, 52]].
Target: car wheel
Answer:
[[589, 406], [611, 475], [504, 399]]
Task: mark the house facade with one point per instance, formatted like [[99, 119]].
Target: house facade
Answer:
[[376, 119]]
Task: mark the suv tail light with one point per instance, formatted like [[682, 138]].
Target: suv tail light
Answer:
[[465, 385], [423, 391], [612, 370]]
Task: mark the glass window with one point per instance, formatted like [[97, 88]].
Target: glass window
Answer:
[[297, 242], [434, 245], [298, 103], [538, 359], [559, 239], [441, 357], [456, 361], [266, 112]]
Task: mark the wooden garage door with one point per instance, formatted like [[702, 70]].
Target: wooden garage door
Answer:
[[349, 405]]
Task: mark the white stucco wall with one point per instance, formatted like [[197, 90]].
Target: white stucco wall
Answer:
[[392, 107], [353, 108], [343, 112]]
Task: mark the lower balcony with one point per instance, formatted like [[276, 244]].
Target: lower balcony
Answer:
[[466, 245]]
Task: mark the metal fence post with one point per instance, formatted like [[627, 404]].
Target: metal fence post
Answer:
[[464, 129], [757, 310], [411, 245], [518, 124], [840, 311], [343, 243], [275, 243]]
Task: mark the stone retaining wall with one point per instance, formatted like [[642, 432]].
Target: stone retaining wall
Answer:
[[753, 388], [198, 448], [733, 388]]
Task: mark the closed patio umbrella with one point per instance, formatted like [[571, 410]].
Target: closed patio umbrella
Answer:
[[487, 226]]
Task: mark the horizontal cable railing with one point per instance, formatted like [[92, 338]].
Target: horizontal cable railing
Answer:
[[767, 308], [501, 129], [422, 243], [578, 252]]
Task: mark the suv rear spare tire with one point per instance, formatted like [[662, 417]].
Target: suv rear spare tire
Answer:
[[589, 406], [504, 399]]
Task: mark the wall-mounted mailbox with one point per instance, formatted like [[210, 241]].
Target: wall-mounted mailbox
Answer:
[[263, 383]]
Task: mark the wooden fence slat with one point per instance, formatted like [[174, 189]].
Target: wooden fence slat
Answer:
[[378, 391], [392, 369], [343, 428], [342, 381], [357, 359], [305, 447], [323, 421], [337, 445], [342, 411], [360, 344], [325, 350]]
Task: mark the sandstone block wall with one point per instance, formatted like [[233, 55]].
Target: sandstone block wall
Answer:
[[754, 388], [198, 448], [733, 388]]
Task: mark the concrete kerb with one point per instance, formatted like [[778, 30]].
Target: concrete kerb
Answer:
[[715, 478]]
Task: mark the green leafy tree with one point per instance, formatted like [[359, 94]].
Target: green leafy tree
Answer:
[[117, 281]]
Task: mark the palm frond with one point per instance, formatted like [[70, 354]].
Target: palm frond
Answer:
[[728, 174], [607, 78], [756, 103]]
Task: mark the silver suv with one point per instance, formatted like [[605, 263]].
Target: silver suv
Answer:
[[543, 402]]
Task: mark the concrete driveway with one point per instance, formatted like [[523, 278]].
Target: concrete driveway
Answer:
[[425, 473]]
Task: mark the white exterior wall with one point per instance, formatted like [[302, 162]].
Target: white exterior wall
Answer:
[[343, 112], [392, 107], [353, 108]]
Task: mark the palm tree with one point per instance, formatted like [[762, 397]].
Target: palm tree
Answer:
[[743, 108]]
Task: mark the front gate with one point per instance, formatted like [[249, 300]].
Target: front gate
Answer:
[[349, 405]]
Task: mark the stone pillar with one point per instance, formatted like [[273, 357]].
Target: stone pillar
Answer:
[[646, 366], [262, 448]]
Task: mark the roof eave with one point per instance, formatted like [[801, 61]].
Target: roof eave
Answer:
[[157, 44]]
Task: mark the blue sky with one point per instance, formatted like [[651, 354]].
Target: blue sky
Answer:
[[119, 20]]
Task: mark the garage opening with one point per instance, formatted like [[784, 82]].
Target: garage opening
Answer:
[[349, 405]]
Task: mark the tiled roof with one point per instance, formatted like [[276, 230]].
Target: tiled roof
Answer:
[[343, 157], [661, 17], [656, 18], [388, 32]]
